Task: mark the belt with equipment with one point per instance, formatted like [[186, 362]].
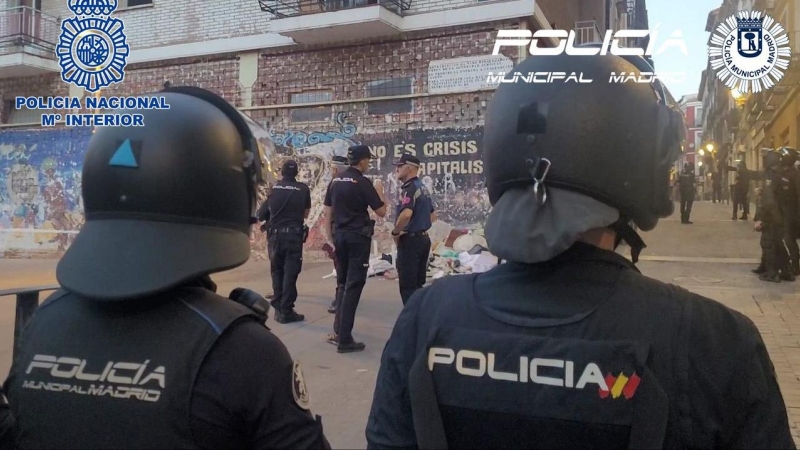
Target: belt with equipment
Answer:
[[416, 233], [286, 230]]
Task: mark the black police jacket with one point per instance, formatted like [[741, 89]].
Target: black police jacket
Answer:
[[173, 371], [579, 352]]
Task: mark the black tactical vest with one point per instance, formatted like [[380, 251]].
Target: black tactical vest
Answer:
[[785, 189], [574, 383], [95, 374]]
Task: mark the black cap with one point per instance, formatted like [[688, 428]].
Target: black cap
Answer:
[[357, 153], [289, 168], [407, 158], [149, 224]]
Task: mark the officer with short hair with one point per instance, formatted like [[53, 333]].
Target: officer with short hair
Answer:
[[137, 350], [350, 229], [289, 206], [567, 344], [338, 164], [413, 220]]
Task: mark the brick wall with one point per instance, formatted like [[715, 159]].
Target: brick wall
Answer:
[[564, 13], [171, 22], [444, 130]]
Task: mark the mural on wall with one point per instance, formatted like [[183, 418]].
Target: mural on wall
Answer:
[[451, 168], [40, 175]]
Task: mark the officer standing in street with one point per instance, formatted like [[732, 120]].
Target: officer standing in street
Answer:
[[686, 181], [567, 344], [741, 189], [289, 206], [787, 195], [338, 164], [413, 213], [137, 350], [350, 229], [771, 219]]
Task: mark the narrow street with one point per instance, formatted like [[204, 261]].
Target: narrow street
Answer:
[[712, 257]]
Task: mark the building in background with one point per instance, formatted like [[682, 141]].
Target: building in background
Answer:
[[741, 124], [692, 110], [319, 75]]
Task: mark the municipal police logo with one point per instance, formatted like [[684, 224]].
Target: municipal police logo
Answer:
[[750, 52], [299, 389], [91, 50]]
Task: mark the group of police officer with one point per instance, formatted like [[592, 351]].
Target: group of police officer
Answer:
[[777, 216], [566, 344]]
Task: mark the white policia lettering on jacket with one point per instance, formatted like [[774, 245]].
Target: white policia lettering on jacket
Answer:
[[119, 379], [528, 368]]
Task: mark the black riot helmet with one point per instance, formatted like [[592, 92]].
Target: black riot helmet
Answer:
[[788, 156], [613, 141], [165, 202], [771, 158]]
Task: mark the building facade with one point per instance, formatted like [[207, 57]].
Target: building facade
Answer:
[[741, 124], [692, 110], [317, 75]]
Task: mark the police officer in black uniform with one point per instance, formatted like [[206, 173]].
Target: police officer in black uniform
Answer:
[[787, 194], [338, 164], [289, 205], [566, 344], [686, 181], [413, 220], [350, 229], [771, 219], [137, 350]]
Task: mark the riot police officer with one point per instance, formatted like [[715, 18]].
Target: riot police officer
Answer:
[[413, 220], [567, 345], [137, 350], [741, 189], [350, 229], [289, 206], [773, 215], [787, 196], [338, 164], [686, 182]]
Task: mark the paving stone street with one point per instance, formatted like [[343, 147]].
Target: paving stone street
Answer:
[[712, 257]]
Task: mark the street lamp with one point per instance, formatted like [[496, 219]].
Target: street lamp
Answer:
[[736, 94], [701, 152], [709, 147]]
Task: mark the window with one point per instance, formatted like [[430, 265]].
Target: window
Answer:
[[132, 3], [11, 115], [388, 88], [312, 113], [698, 117]]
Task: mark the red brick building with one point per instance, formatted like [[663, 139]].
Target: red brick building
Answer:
[[318, 75]]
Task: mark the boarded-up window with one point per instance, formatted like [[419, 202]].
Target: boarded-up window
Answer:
[[313, 113], [388, 88]]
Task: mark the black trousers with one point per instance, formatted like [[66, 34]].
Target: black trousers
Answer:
[[773, 252], [352, 252], [790, 239], [337, 300], [412, 263], [716, 194], [286, 262], [686, 206], [740, 198]]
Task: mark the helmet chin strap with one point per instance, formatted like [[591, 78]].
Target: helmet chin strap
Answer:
[[626, 233]]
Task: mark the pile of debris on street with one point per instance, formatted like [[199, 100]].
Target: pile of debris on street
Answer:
[[453, 252]]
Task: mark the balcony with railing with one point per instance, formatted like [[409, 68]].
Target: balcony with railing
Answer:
[[315, 21], [27, 42]]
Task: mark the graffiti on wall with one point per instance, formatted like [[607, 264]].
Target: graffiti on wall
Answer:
[[451, 167], [40, 175]]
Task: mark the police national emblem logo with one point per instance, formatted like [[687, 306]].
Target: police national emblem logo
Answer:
[[92, 49], [299, 388], [750, 52]]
